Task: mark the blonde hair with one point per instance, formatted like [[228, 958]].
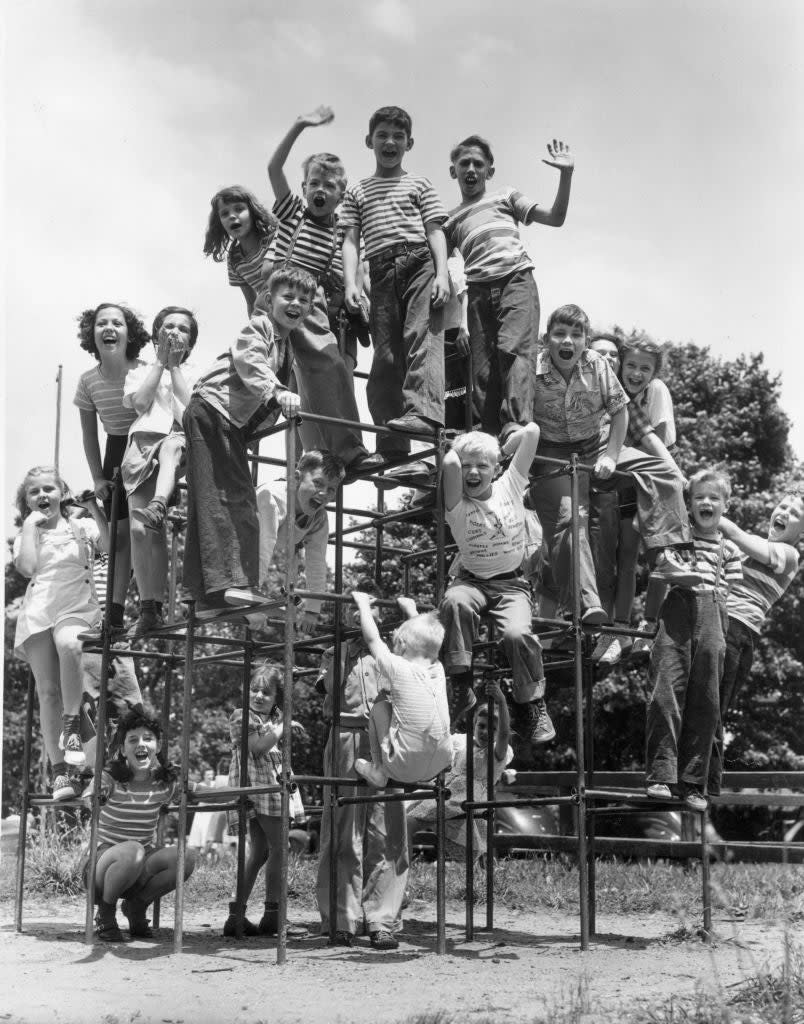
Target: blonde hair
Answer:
[[711, 476], [475, 442], [422, 635]]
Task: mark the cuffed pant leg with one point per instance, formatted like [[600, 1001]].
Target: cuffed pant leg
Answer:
[[517, 344], [661, 511], [423, 339], [344, 841], [736, 670], [702, 710], [386, 867], [459, 613], [511, 609]]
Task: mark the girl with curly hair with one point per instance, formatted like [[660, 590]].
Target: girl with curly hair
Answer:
[[56, 551], [240, 230], [114, 335]]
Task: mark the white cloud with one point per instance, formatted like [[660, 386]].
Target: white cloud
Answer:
[[393, 18]]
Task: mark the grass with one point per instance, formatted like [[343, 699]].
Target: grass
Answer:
[[770, 892]]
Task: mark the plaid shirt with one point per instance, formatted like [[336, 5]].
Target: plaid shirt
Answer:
[[639, 425], [572, 410]]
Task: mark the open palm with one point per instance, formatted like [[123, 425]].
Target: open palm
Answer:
[[560, 155]]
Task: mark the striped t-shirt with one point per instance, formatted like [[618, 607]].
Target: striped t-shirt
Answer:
[[485, 233], [751, 598], [105, 397], [130, 814], [247, 269], [391, 210], [707, 552], [317, 247]]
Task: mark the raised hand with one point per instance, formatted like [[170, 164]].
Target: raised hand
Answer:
[[560, 156], [321, 115]]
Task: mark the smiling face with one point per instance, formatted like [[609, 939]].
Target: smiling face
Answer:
[[477, 474], [43, 494], [566, 344], [707, 505], [110, 332], [639, 369], [315, 489], [235, 218], [262, 694], [481, 733], [389, 142], [471, 170], [140, 748], [609, 351], [323, 190], [287, 306], [787, 520]]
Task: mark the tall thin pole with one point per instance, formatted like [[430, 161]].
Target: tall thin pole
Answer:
[[58, 418]]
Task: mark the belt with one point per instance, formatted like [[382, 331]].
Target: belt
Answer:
[[398, 249], [514, 574]]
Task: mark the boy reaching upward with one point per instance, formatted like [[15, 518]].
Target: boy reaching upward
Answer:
[[503, 298], [399, 216]]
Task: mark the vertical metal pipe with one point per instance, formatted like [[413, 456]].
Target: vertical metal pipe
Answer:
[[58, 419], [589, 681], [26, 783], [100, 719], [491, 819], [470, 822], [335, 728], [441, 877], [705, 880], [579, 726], [287, 708], [181, 846]]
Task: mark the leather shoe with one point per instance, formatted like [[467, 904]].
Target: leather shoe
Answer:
[[412, 424]]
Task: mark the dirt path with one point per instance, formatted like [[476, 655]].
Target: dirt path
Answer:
[[532, 965]]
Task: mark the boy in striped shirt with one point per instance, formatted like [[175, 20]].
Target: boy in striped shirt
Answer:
[[309, 236], [769, 567], [688, 655], [503, 298], [400, 218]]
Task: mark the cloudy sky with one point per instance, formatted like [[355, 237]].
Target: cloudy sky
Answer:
[[123, 118]]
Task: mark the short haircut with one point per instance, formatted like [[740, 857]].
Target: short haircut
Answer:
[[642, 342], [328, 162], [163, 314], [394, 115], [422, 635], [293, 276], [569, 315], [476, 442], [138, 337], [472, 140], [319, 458], [710, 475], [22, 505]]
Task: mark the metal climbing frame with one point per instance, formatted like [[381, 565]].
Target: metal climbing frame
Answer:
[[241, 652]]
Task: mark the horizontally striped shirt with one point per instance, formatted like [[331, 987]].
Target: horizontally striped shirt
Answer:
[[485, 233], [317, 247], [707, 552], [105, 397], [750, 599], [391, 210], [247, 269], [132, 814], [247, 375]]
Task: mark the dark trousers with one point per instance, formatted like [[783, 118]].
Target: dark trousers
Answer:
[[503, 335], [407, 371], [684, 677], [736, 671], [221, 548]]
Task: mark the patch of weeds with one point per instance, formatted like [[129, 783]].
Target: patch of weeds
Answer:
[[53, 861]]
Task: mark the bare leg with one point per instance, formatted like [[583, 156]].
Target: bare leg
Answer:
[[148, 548], [65, 638], [43, 658], [257, 856], [159, 873], [118, 869], [379, 727]]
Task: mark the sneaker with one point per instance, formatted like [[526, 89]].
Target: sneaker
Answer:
[[671, 568], [70, 741], [343, 939], [63, 787], [152, 516], [694, 798], [658, 791], [139, 927], [375, 776], [601, 647], [594, 616], [613, 652], [383, 940], [242, 596], [535, 724], [643, 645]]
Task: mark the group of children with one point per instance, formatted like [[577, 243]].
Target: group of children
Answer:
[[332, 267]]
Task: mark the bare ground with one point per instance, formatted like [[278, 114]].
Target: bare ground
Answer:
[[530, 969]]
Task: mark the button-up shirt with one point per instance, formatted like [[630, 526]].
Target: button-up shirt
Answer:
[[572, 410]]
